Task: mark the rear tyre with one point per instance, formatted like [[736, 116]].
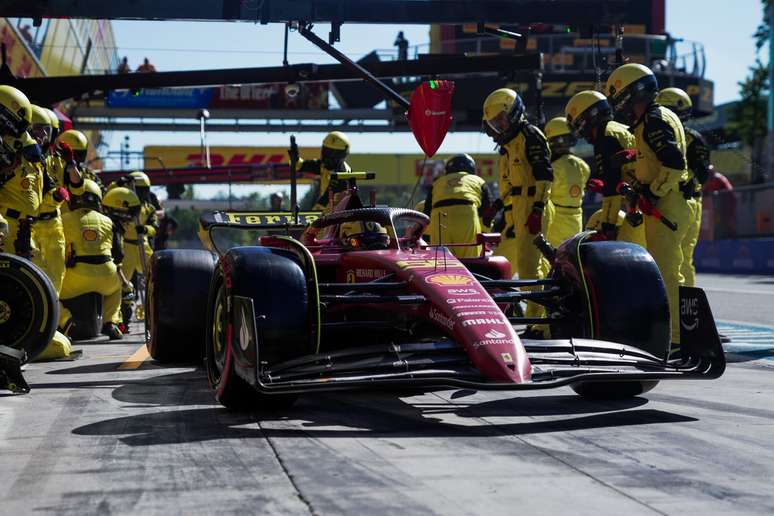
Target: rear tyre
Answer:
[[86, 313], [178, 287], [612, 390], [29, 311]]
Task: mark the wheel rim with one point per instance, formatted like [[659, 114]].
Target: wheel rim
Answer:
[[219, 334], [17, 311]]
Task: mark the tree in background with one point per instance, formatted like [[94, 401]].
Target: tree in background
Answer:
[[750, 115]]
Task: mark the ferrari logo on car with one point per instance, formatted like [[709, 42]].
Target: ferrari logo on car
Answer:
[[507, 358], [449, 280]]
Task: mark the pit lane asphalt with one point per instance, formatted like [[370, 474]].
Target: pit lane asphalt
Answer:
[[92, 438]]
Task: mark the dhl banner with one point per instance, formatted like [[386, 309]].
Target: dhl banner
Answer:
[[391, 169]]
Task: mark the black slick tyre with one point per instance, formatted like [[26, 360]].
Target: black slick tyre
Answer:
[[29, 311], [178, 288]]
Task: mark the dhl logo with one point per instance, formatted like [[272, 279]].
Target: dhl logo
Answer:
[[217, 160], [268, 219]]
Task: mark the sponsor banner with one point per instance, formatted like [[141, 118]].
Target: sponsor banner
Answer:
[[18, 56], [248, 96], [391, 169], [173, 98]]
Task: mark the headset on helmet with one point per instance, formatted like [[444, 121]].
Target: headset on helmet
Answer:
[[628, 86], [587, 110], [335, 149], [122, 203], [502, 113], [15, 111], [91, 197], [676, 100], [461, 163]]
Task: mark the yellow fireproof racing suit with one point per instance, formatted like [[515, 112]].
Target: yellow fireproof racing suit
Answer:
[[660, 168], [454, 204], [21, 189], [507, 245], [626, 233], [570, 176], [91, 247], [615, 138], [132, 263], [698, 159], [337, 187], [530, 175]]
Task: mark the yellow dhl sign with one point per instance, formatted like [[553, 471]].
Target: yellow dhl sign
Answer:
[[391, 169]]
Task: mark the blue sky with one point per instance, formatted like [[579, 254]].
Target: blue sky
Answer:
[[723, 27]]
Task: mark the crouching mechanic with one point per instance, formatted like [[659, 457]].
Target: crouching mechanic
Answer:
[[333, 155], [659, 170], [570, 176], [698, 160], [454, 205], [92, 245], [530, 175]]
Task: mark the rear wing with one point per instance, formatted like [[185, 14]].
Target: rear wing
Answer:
[[257, 219]]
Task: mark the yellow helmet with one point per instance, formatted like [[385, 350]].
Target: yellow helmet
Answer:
[[585, 111], [41, 125], [677, 100], [122, 202], [15, 111], [628, 86], [557, 127], [336, 140], [335, 149], [92, 187], [364, 235], [140, 178], [54, 121], [502, 109], [75, 139]]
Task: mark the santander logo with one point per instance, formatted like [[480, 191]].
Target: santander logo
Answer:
[[494, 334]]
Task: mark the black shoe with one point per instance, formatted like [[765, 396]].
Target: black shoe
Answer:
[[724, 339], [112, 331]]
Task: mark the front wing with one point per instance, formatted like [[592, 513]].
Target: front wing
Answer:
[[444, 364]]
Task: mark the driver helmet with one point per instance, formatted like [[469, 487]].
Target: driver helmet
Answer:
[[365, 235]]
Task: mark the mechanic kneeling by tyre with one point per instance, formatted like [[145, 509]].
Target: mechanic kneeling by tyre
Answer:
[[454, 205], [92, 245]]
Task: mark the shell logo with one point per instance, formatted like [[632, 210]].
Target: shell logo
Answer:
[[25, 184], [575, 191], [89, 235], [449, 280]]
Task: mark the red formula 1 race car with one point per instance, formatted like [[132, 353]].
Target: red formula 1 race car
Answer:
[[333, 309]]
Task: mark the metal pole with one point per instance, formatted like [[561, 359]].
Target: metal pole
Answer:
[[341, 58], [770, 166]]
